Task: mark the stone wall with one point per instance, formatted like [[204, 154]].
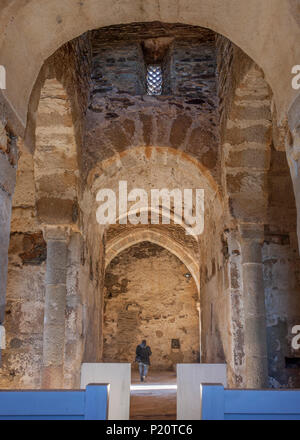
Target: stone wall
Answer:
[[192, 70], [281, 275], [22, 361], [118, 68], [24, 315], [214, 298], [45, 184], [149, 294], [237, 20], [264, 176], [92, 125], [25, 308], [232, 64], [90, 288], [116, 124], [116, 120]]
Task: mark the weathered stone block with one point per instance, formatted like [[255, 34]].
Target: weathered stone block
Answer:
[[147, 123], [57, 185], [118, 137], [250, 113], [179, 130], [257, 133], [252, 250], [56, 211], [249, 209], [249, 158], [246, 182]]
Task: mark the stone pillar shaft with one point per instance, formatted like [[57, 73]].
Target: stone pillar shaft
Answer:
[[5, 216], [55, 305], [237, 377], [254, 310], [8, 169], [7, 186]]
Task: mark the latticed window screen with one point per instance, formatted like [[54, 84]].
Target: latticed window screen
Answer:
[[154, 80]]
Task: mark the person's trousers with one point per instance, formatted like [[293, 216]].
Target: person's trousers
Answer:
[[143, 368]]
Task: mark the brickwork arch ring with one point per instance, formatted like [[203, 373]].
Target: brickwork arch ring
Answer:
[[119, 244]]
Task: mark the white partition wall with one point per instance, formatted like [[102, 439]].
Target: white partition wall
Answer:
[[189, 378], [119, 378]]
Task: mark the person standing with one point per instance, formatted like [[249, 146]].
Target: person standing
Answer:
[[143, 353]]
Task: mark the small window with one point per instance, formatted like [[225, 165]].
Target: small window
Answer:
[[175, 343], [292, 362], [154, 80]]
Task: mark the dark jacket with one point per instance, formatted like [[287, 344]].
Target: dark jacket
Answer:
[[143, 354]]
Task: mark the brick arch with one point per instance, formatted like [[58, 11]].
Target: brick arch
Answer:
[[55, 156], [166, 215], [165, 156], [190, 130], [150, 167], [120, 243], [26, 36]]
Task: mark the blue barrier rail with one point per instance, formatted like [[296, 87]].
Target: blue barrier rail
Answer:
[[88, 404], [218, 403]]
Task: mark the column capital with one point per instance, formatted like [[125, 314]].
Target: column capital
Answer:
[[56, 232], [252, 232]]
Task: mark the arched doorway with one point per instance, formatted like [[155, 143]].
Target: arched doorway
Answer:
[[150, 294]]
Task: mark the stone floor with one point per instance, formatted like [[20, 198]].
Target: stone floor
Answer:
[[153, 400]]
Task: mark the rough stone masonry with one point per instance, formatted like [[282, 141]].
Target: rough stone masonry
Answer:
[[74, 291]]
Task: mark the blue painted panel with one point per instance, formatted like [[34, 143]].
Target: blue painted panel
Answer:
[[96, 402], [262, 401], [262, 417], [42, 402], [42, 417], [91, 404], [249, 404], [212, 402]]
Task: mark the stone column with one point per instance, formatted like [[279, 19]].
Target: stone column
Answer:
[[55, 305], [5, 217], [254, 307], [236, 367], [200, 333], [8, 171]]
